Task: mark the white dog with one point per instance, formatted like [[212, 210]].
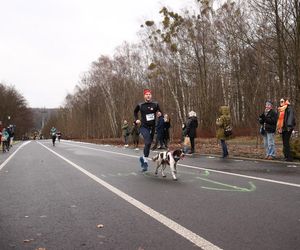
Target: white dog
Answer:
[[168, 158]]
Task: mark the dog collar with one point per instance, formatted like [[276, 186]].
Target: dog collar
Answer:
[[176, 158]]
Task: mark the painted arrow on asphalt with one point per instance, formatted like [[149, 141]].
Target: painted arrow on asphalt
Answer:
[[226, 187]]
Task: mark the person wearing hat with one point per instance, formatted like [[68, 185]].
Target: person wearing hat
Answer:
[[222, 122], [148, 110], [125, 132], [191, 129], [268, 121]]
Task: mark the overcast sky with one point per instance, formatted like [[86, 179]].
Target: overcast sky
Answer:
[[46, 45]]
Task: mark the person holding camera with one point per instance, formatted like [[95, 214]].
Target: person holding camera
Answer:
[[268, 121]]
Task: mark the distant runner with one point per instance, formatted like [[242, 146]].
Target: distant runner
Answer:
[[53, 135]]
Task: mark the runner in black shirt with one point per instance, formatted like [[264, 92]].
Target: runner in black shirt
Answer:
[[148, 111]]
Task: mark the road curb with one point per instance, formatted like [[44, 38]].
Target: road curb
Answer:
[[253, 159], [218, 156]]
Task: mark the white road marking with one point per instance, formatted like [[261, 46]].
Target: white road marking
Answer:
[[12, 155], [243, 176], [291, 166], [177, 228], [199, 168]]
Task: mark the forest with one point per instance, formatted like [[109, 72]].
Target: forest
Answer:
[[15, 111], [239, 54]]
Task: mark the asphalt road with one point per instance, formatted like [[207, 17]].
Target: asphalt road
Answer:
[[85, 196]]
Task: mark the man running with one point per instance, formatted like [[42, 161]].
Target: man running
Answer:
[[53, 135], [148, 111]]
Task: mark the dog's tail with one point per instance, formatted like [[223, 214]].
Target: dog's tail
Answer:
[[155, 158]]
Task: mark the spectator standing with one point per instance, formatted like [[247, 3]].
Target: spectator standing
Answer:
[[58, 134], [183, 128], [12, 134], [285, 126], [190, 130], [4, 140], [167, 125], [268, 121], [222, 122], [9, 139], [160, 130], [125, 132], [135, 134]]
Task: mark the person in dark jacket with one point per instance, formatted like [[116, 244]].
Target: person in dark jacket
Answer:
[[148, 110], [160, 130], [183, 128], [268, 121], [167, 125], [4, 140], [9, 131], [190, 130], [285, 125], [125, 132], [135, 134]]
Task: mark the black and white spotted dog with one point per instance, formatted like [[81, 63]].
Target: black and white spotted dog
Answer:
[[168, 158]]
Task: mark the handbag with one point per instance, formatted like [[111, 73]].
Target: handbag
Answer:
[[187, 141], [228, 131]]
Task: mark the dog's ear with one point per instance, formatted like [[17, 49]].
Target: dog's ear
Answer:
[[177, 152]]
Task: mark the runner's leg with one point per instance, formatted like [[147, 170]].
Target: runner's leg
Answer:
[[148, 137]]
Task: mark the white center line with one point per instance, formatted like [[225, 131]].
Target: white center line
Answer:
[[199, 168], [184, 232]]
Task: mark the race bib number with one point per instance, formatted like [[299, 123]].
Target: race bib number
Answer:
[[150, 117]]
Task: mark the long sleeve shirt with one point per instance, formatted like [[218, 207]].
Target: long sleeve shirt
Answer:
[[148, 113]]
